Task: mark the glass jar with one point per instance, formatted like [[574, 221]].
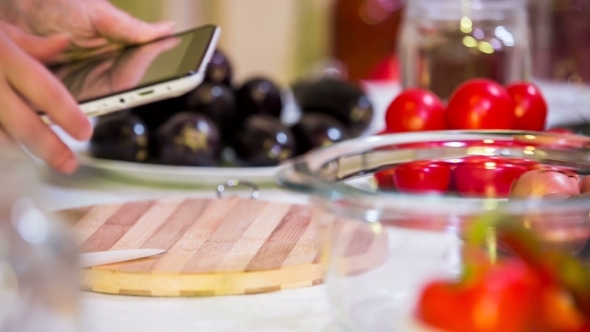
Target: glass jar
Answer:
[[560, 35], [381, 249], [560, 39], [38, 260], [443, 43]]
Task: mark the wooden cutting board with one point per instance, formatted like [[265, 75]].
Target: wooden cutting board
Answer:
[[214, 246]]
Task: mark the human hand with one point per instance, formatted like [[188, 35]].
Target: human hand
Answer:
[[25, 85], [88, 23]]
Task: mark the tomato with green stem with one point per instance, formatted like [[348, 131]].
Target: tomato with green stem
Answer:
[[531, 288]]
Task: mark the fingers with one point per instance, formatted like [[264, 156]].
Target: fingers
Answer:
[[89, 43], [34, 82], [80, 54], [25, 126], [44, 49], [117, 25], [96, 81], [5, 139], [130, 69]]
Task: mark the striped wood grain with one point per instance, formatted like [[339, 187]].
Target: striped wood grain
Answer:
[[215, 247]]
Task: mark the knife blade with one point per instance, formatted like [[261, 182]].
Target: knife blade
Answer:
[[115, 256]]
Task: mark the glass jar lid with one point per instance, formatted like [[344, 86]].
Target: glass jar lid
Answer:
[[472, 9]]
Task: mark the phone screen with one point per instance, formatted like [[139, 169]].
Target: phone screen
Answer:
[[116, 71]]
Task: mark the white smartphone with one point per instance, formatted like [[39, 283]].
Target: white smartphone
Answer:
[[140, 74]]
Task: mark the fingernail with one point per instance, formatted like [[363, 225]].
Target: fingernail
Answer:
[[85, 132], [70, 166]]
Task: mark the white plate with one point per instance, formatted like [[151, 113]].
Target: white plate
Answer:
[[185, 176], [210, 177]]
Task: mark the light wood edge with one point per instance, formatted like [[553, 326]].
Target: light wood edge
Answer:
[[194, 285]]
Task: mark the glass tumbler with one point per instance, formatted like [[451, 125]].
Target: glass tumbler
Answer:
[[38, 260], [443, 43], [382, 249]]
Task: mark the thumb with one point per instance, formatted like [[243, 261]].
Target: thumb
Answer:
[[45, 49], [117, 25]]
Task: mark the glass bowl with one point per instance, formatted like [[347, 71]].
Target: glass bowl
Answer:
[[380, 249]]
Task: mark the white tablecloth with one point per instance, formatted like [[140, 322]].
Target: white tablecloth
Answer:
[[292, 310]]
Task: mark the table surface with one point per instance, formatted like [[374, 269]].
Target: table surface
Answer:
[[304, 309]]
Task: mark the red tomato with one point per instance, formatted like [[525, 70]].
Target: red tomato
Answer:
[[415, 110], [480, 104], [445, 306], [487, 179], [529, 164], [453, 144], [423, 177], [504, 299], [559, 312], [385, 179], [530, 107], [478, 159]]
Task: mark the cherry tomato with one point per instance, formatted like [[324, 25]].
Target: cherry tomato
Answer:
[[515, 289], [456, 144], [415, 110], [530, 108], [549, 265], [537, 290], [384, 179], [439, 307], [487, 179], [559, 313], [478, 159], [423, 177], [529, 164], [480, 104], [481, 160], [503, 299]]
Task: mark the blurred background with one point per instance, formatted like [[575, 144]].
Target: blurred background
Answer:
[[285, 39], [262, 37], [385, 46]]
